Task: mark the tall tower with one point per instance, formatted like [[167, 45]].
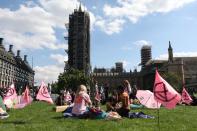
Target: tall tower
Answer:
[[1, 44], [146, 55], [79, 40], [170, 53]]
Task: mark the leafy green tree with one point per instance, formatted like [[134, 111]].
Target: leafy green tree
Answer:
[[173, 79], [54, 88], [72, 79]]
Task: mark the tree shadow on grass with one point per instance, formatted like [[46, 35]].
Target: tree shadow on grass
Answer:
[[16, 122]]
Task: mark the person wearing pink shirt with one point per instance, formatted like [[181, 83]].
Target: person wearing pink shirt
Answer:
[[81, 101]]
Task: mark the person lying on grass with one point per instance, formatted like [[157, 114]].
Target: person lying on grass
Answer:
[[81, 101]]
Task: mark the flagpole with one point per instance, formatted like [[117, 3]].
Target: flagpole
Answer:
[[183, 79], [183, 83], [183, 73], [158, 118]]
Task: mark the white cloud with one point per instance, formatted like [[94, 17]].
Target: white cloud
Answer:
[[138, 43], [60, 10], [59, 58], [128, 66], [141, 43], [133, 10], [33, 25], [110, 26], [94, 7], [92, 21], [28, 27], [47, 73], [30, 3], [125, 63], [177, 54], [50, 73]]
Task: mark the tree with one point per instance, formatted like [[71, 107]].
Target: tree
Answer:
[[72, 79], [54, 88], [173, 79]]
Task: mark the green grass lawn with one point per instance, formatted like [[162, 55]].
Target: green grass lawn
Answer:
[[40, 116]]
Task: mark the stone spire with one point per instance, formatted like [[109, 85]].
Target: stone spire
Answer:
[[25, 58], [10, 50], [1, 44], [80, 10], [170, 53], [18, 53]]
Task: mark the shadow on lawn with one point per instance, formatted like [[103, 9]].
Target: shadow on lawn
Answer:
[[17, 122]]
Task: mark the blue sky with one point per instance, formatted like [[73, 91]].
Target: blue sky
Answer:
[[119, 29]]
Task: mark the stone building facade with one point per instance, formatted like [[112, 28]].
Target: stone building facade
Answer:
[[14, 69], [184, 67], [114, 77]]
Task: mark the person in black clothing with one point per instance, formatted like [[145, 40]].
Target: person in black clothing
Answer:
[[112, 101], [106, 91], [133, 92], [60, 99], [123, 107], [194, 100]]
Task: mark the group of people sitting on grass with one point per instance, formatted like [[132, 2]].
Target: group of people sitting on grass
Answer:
[[117, 104]]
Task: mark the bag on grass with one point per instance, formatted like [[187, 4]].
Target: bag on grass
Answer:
[[113, 116], [140, 115]]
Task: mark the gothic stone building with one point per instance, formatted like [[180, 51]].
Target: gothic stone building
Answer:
[[182, 66], [79, 41], [114, 77], [13, 69]]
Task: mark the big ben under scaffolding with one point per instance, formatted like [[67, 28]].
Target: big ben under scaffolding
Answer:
[[79, 41]]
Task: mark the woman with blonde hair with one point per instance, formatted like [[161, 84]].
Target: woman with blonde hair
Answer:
[[81, 101]]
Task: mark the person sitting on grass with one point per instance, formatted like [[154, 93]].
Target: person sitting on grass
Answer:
[[124, 105], [112, 102], [3, 113], [81, 101], [67, 97], [127, 87], [60, 99]]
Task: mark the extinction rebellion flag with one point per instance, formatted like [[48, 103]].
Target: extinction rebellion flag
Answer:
[[165, 93], [186, 97], [43, 94], [10, 99]]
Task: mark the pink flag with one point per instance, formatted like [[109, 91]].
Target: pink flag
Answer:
[[10, 99], [165, 93], [186, 97], [43, 94], [26, 98], [19, 105], [147, 99], [67, 97], [97, 97], [23, 100]]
